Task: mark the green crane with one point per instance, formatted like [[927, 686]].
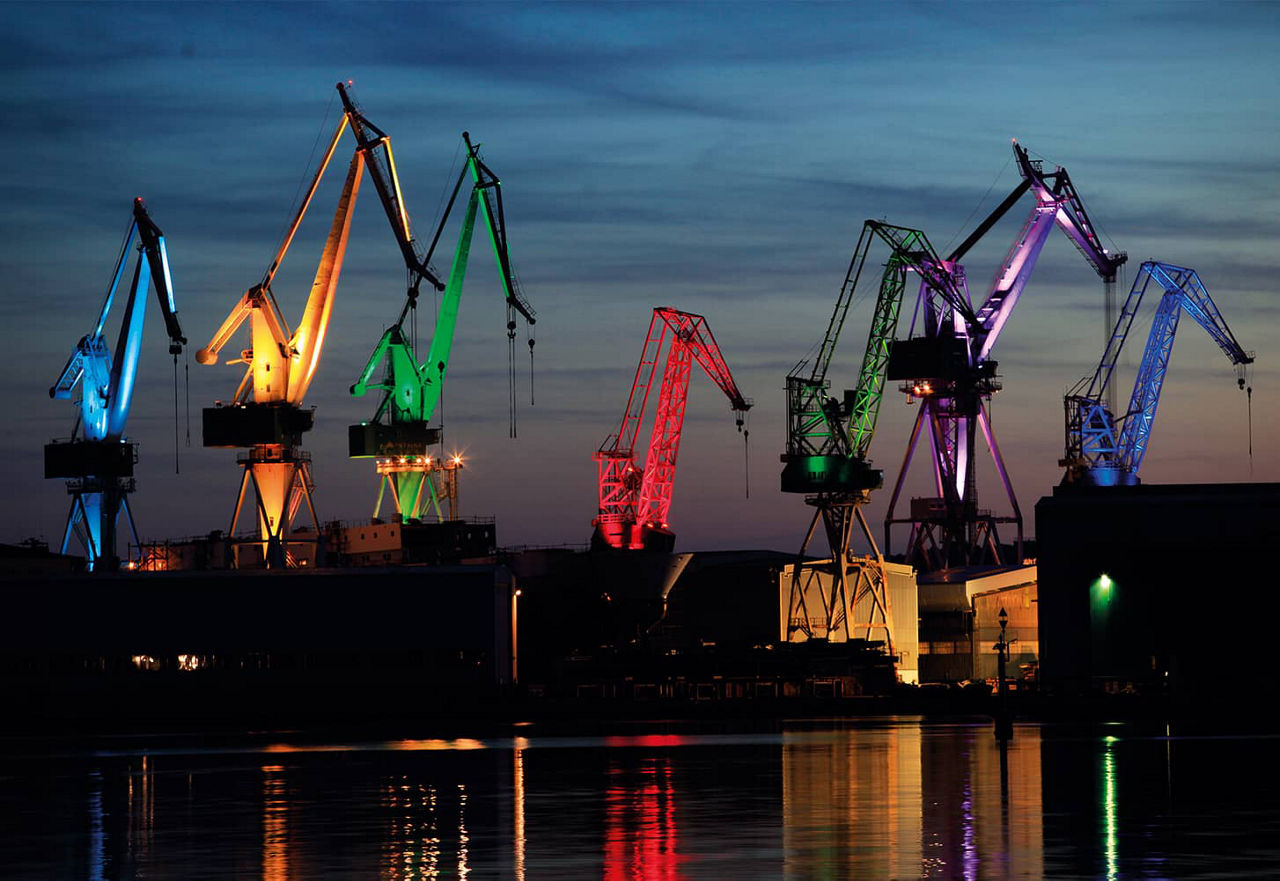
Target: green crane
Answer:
[[828, 441], [399, 435]]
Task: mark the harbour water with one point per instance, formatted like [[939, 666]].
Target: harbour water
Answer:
[[871, 798]]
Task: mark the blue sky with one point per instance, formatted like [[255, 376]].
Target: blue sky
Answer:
[[718, 158]]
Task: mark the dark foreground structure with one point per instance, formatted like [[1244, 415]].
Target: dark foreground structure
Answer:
[[251, 648], [548, 633], [1159, 589]]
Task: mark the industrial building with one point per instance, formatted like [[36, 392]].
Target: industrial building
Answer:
[[1159, 588], [959, 622], [335, 645]]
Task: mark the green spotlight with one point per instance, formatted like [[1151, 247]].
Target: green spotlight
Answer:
[[1104, 581]]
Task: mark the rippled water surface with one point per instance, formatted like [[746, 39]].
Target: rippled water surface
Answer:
[[872, 799]]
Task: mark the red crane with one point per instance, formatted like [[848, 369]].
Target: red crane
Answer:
[[634, 501]]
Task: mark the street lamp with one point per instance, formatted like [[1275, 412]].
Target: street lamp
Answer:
[[1002, 648], [1003, 726]]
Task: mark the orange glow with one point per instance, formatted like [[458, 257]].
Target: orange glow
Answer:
[[462, 743], [275, 825]]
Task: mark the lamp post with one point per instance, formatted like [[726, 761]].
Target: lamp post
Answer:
[[1004, 726]]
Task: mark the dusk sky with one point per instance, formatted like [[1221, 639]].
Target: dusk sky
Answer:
[[716, 158]]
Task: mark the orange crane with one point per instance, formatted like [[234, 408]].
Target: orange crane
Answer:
[[266, 416]]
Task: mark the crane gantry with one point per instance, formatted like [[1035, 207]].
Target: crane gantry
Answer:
[[99, 460], [635, 501], [266, 416], [399, 435], [1102, 450], [947, 366]]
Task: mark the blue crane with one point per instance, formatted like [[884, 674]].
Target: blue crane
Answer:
[[1104, 451], [97, 460]]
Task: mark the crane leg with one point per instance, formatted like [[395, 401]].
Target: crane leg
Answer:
[[133, 527], [71, 524], [235, 514], [796, 601]]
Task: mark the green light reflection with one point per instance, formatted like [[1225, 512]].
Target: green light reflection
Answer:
[[1110, 840]]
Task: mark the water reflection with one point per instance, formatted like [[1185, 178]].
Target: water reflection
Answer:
[[517, 777], [275, 824], [911, 801], [121, 820], [871, 800], [427, 834], [97, 835], [1110, 841], [641, 840]]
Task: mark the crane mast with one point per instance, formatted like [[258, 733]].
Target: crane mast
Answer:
[[98, 460], [265, 416], [1104, 451], [946, 365], [399, 436], [635, 501], [828, 442]]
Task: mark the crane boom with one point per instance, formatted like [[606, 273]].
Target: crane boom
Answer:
[[376, 147], [1057, 202], [100, 462], [1096, 453], [634, 502]]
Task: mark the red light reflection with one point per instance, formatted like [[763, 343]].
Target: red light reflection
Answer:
[[640, 835]]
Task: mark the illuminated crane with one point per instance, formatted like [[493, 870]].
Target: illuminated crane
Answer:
[[1096, 453], [399, 435], [99, 462], [635, 500], [948, 368], [266, 416], [828, 441]]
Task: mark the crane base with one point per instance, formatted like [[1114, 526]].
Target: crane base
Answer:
[[89, 459], [370, 439], [815, 474], [249, 425]]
